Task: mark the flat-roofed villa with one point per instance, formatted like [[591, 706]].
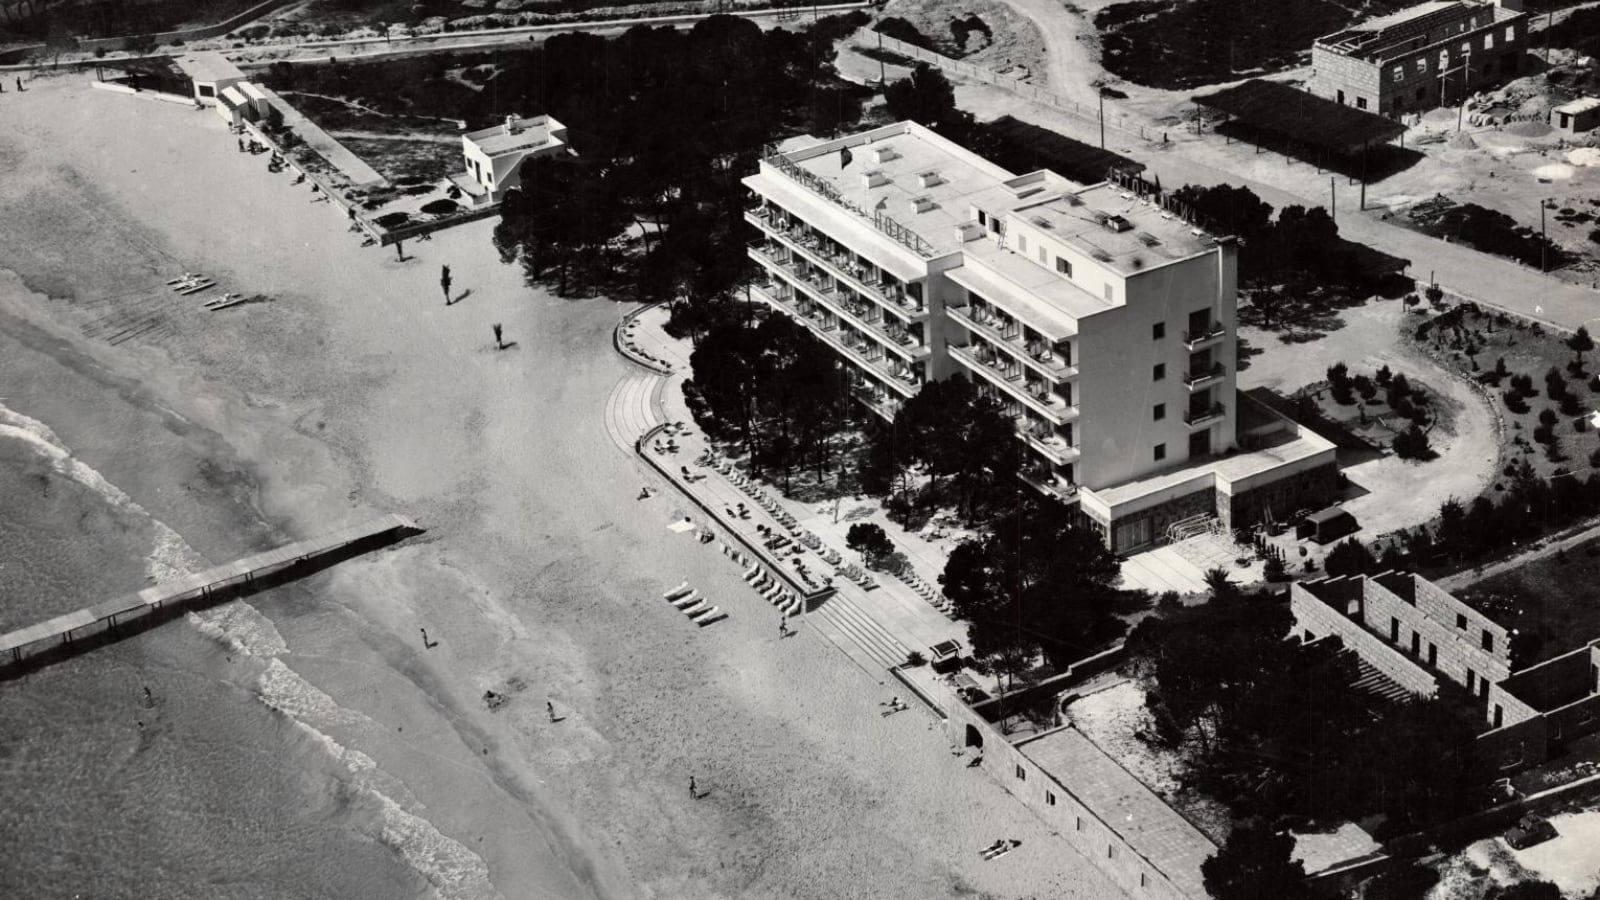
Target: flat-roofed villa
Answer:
[[1099, 319], [494, 155], [209, 73]]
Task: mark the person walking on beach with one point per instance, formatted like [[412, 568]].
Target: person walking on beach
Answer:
[[783, 628], [444, 282], [498, 343], [551, 709], [694, 790]]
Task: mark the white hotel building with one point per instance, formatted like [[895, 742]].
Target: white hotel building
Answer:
[[1103, 323]]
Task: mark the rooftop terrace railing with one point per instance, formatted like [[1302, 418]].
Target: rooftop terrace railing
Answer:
[[825, 189]]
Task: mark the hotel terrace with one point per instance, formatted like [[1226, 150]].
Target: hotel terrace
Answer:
[[1100, 320]]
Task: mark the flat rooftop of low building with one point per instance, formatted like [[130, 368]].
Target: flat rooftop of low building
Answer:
[[1274, 450], [208, 66], [524, 134], [1124, 804], [1581, 105]]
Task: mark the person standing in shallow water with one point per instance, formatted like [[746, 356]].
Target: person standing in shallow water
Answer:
[[498, 343]]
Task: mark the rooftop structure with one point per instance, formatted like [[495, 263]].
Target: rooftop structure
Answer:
[[494, 155], [1431, 54], [915, 260]]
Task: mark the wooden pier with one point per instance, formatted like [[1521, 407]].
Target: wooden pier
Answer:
[[15, 645]]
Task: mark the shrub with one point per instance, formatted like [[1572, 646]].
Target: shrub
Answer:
[[1433, 293], [1552, 450], [915, 658], [1547, 416], [1543, 434], [1594, 460], [1569, 404], [1523, 384], [1411, 444], [1339, 381], [1275, 570], [1364, 387], [1382, 376], [1554, 384]]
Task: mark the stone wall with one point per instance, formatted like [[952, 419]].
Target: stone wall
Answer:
[[1316, 618], [1437, 629]]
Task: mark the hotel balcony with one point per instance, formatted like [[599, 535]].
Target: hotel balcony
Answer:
[[856, 312], [1203, 377], [1052, 446], [1042, 360], [864, 354], [1014, 384], [882, 403], [1046, 482], [1205, 337], [1204, 416], [841, 265]]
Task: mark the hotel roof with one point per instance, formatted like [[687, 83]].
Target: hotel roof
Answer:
[[526, 134], [853, 175]]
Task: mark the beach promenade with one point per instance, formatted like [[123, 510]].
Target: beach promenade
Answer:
[[876, 627]]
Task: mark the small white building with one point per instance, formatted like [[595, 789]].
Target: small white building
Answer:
[[494, 155], [1576, 117], [209, 73], [258, 100], [233, 107]]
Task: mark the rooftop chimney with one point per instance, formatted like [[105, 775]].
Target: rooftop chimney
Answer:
[[511, 123]]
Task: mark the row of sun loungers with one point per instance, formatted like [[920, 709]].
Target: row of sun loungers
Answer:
[[788, 521], [926, 591], [765, 583], [190, 283], [691, 603]]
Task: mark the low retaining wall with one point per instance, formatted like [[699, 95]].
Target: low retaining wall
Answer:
[[199, 33], [147, 95], [620, 341]]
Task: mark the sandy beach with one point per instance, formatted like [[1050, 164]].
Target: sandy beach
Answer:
[[354, 391]]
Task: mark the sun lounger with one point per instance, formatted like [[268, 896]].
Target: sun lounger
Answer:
[[197, 288], [226, 301], [185, 277], [677, 592]]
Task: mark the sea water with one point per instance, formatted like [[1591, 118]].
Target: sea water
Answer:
[[223, 781]]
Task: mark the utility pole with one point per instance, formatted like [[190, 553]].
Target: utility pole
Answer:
[[883, 79], [1364, 152], [1466, 84], [1544, 265], [1333, 199], [1101, 94]]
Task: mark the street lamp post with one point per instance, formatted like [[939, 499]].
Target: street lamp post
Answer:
[[1101, 94]]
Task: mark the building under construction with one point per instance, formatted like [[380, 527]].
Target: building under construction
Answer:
[[1432, 54]]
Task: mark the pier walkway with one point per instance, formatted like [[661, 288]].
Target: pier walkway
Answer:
[[199, 586]]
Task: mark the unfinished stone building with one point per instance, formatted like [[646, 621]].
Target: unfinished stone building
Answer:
[[1411, 633], [1432, 54]]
